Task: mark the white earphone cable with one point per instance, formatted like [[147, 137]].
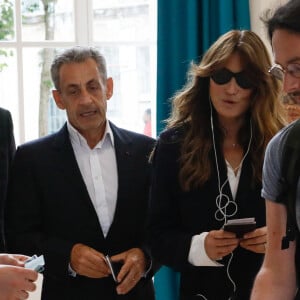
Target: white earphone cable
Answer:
[[222, 209]]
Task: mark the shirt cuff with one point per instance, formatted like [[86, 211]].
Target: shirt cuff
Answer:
[[197, 255], [71, 272]]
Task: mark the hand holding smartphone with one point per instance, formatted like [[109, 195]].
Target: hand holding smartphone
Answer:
[[240, 226], [114, 267]]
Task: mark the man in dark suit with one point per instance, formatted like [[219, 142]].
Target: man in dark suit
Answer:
[[7, 150], [82, 193], [15, 281]]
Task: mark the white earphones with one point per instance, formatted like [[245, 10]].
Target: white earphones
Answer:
[[226, 208]]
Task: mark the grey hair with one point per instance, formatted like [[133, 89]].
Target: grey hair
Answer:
[[77, 55]]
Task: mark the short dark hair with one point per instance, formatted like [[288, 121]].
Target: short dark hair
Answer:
[[285, 17], [77, 54]]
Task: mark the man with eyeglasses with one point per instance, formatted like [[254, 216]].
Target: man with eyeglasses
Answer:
[[291, 107], [277, 278]]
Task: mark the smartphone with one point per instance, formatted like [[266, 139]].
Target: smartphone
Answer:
[[240, 226], [114, 267]]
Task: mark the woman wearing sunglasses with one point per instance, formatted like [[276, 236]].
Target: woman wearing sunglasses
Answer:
[[207, 170]]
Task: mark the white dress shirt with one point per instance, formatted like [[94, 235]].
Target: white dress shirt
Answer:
[[98, 167]]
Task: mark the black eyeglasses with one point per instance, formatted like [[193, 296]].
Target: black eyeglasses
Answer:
[[278, 72], [223, 76]]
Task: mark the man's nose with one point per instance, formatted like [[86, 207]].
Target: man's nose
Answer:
[[85, 96]]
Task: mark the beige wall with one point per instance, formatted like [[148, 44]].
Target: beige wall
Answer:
[[257, 8]]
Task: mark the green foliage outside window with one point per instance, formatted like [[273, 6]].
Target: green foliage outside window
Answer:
[[6, 29]]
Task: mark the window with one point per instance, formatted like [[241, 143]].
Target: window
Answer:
[[31, 31]]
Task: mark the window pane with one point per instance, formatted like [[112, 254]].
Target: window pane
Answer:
[[131, 97], [41, 114], [126, 30], [121, 20], [6, 20], [53, 22]]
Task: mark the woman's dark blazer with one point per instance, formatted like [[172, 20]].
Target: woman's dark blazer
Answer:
[[7, 150], [50, 211], [176, 216]]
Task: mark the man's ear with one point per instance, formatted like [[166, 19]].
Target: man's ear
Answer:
[[58, 100], [109, 88]]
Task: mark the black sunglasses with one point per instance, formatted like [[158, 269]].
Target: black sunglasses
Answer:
[[223, 76]]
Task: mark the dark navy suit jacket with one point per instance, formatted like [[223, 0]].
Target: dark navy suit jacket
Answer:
[[7, 149], [50, 211]]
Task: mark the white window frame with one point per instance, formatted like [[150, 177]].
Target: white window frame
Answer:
[[83, 36]]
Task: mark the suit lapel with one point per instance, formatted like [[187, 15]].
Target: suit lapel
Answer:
[[124, 156], [70, 172], [64, 152]]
